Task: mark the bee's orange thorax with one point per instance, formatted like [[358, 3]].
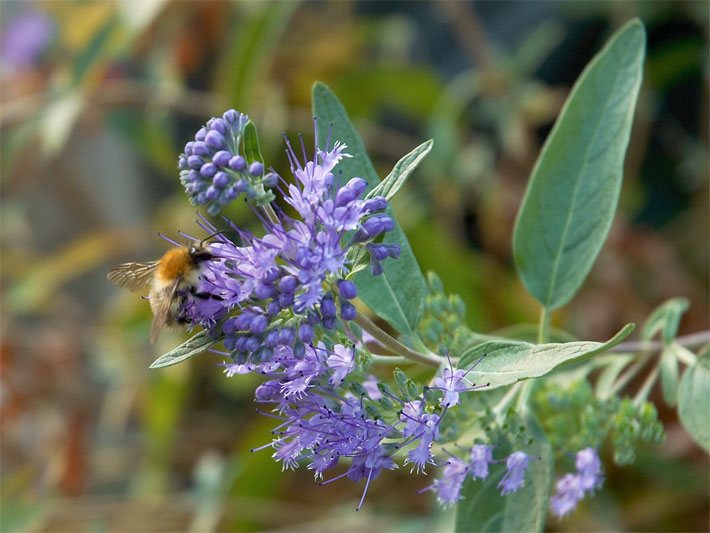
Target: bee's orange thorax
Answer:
[[174, 264]]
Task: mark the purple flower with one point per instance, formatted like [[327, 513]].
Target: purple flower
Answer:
[[341, 361], [452, 382], [481, 456], [448, 486], [27, 35], [589, 468], [370, 385], [514, 478], [569, 493], [232, 369], [572, 488]]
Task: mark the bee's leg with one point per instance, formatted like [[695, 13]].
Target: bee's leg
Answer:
[[205, 295]]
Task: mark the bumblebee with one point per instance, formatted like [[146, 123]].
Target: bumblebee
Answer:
[[170, 279]]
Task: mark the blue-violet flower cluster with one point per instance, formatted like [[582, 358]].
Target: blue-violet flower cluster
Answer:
[[281, 303], [275, 291]]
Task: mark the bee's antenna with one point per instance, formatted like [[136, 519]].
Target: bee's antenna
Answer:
[[220, 232]]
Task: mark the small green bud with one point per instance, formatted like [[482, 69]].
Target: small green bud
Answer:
[[386, 389], [400, 378], [458, 306], [386, 404], [412, 389], [358, 389], [435, 282]]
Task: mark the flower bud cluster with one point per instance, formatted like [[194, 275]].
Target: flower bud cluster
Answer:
[[574, 418], [631, 424], [443, 326], [215, 172]]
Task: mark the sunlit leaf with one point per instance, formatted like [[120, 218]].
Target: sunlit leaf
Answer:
[[192, 347], [499, 363]]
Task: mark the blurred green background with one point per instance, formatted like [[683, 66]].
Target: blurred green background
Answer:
[[97, 100]]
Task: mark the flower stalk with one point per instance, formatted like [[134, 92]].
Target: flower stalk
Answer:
[[393, 344]]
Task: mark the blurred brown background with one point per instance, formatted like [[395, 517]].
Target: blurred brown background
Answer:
[[98, 98]]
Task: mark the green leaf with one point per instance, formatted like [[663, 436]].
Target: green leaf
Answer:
[[694, 403], [252, 152], [399, 174], [572, 194], [500, 363], [188, 349], [397, 295], [612, 370], [249, 50], [665, 318], [669, 376], [484, 509], [95, 51]]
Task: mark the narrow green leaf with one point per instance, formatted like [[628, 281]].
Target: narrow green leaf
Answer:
[[612, 370], [572, 194], [397, 295], [252, 152], [669, 376], [665, 318], [188, 349], [249, 50], [94, 51], [484, 509], [694, 403], [399, 174], [500, 363]]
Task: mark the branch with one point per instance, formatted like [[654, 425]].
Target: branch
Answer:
[[393, 344]]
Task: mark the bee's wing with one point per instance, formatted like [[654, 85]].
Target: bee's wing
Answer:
[[133, 276], [161, 303]]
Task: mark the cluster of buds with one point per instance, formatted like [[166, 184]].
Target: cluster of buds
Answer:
[[214, 170]]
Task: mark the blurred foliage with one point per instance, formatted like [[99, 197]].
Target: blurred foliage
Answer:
[[98, 99]]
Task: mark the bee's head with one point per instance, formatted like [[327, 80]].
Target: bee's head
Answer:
[[199, 252]]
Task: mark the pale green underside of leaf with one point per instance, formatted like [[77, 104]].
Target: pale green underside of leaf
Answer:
[[195, 345], [505, 362], [394, 181], [484, 509], [398, 294], [574, 188], [694, 403]]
